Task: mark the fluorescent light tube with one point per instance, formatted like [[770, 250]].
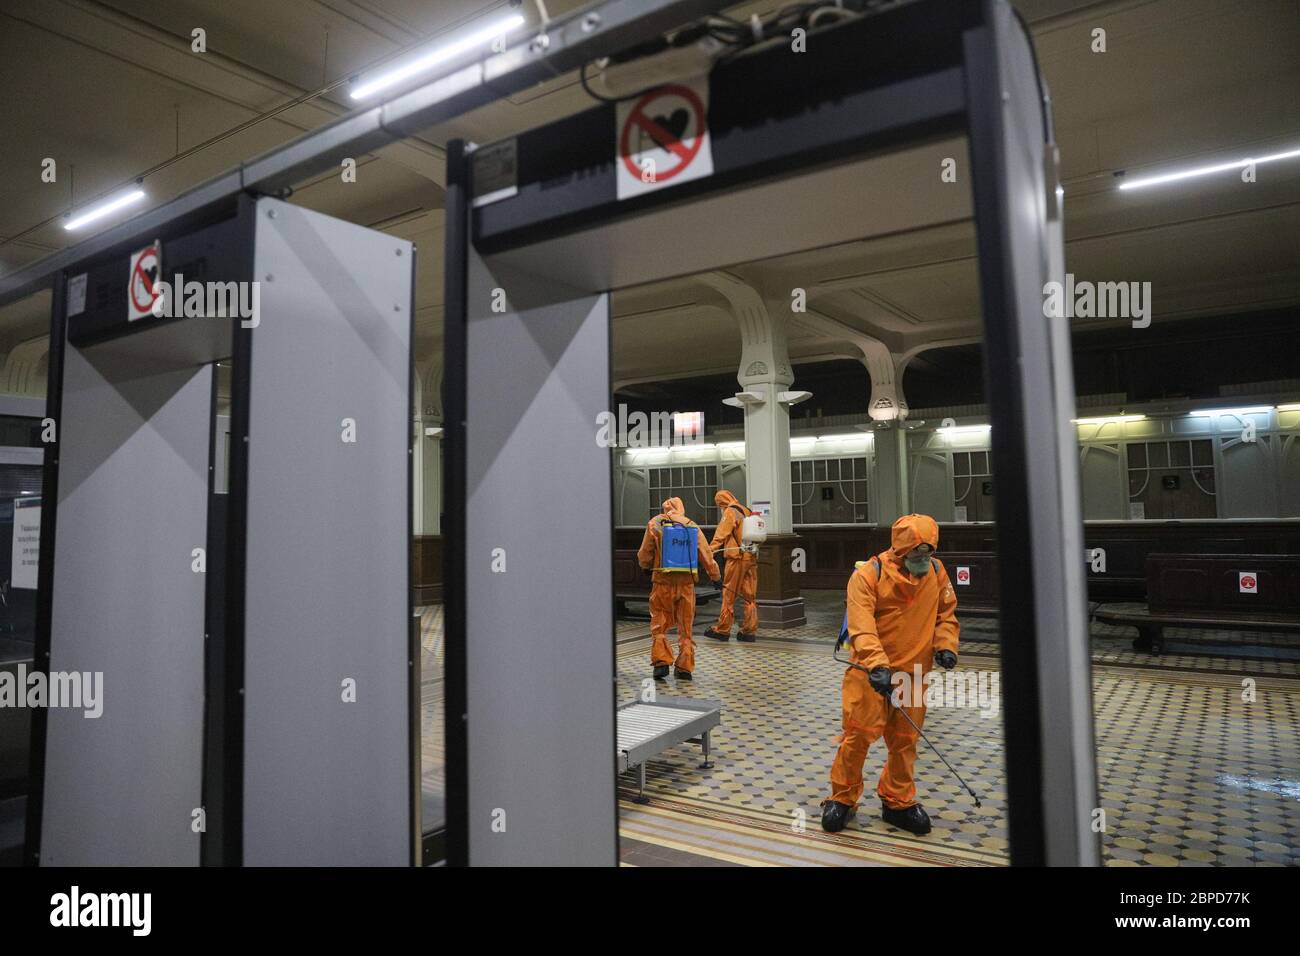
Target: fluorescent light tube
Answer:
[[1206, 170], [439, 55], [99, 212]]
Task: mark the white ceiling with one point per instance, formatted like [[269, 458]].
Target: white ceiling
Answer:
[[111, 90]]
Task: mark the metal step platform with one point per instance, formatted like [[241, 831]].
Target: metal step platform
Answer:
[[648, 729]]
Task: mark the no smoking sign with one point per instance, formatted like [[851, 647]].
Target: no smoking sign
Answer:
[[663, 139], [145, 271]]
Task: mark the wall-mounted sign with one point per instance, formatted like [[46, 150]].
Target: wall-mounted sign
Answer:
[[1247, 582], [687, 426], [26, 551], [963, 575], [77, 294]]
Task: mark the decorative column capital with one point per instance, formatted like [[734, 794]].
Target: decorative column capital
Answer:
[[764, 355]]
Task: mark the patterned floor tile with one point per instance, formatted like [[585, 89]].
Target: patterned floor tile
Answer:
[[1198, 754]]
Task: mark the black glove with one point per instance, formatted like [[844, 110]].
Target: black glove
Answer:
[[717, 584], [882, 681], [945, 659]]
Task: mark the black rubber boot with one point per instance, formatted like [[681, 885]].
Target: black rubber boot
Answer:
[[836, 815], [716, 635], [661, 671], [914, 819], [681, 674], [747, 638]]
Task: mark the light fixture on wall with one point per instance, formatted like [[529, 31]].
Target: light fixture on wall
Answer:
[[1103, 419], [1252, 410]]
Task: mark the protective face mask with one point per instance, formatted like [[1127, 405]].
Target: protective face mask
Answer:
[[918, 565]]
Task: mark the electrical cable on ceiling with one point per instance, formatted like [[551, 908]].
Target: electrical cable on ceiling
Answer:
[[736, 37]]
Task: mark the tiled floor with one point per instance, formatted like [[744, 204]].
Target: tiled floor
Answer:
[[1190, 774]]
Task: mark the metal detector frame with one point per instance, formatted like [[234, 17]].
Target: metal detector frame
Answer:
[[235, 628], [558, 241]]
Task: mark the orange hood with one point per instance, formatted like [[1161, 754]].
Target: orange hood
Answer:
[[725, 499], [911, 530], [675, 509]]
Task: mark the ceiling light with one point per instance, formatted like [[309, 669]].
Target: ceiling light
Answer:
[[100, 211], [437, 55], [1206, 170]]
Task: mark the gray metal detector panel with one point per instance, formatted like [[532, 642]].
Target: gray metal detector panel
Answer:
[[121, 789], [849, 202], [1021, 250], [540, 651], [327, 781]]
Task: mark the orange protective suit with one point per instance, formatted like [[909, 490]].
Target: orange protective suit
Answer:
[[741, 575], [672, 593], [896, 620]]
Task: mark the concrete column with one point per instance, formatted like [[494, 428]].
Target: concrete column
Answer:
[[887, 402], [765, 378], [888, 410], [891, 490]]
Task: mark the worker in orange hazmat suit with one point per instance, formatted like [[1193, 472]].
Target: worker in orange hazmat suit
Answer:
[[671, 550], [901, 613], [741, 575]]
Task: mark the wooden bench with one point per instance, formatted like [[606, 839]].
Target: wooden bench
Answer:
[[1254, 592], [633, 584]]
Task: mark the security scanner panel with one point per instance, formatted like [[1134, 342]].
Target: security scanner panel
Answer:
[[774, 152], [251, 632]]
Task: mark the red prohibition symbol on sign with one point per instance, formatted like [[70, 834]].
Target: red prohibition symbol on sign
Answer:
[[664, 138], [1248, 583], [145, 279]]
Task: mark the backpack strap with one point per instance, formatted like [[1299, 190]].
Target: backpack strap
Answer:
[[844, 626]]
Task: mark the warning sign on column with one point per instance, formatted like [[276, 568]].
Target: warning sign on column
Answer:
[[663, 139]]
